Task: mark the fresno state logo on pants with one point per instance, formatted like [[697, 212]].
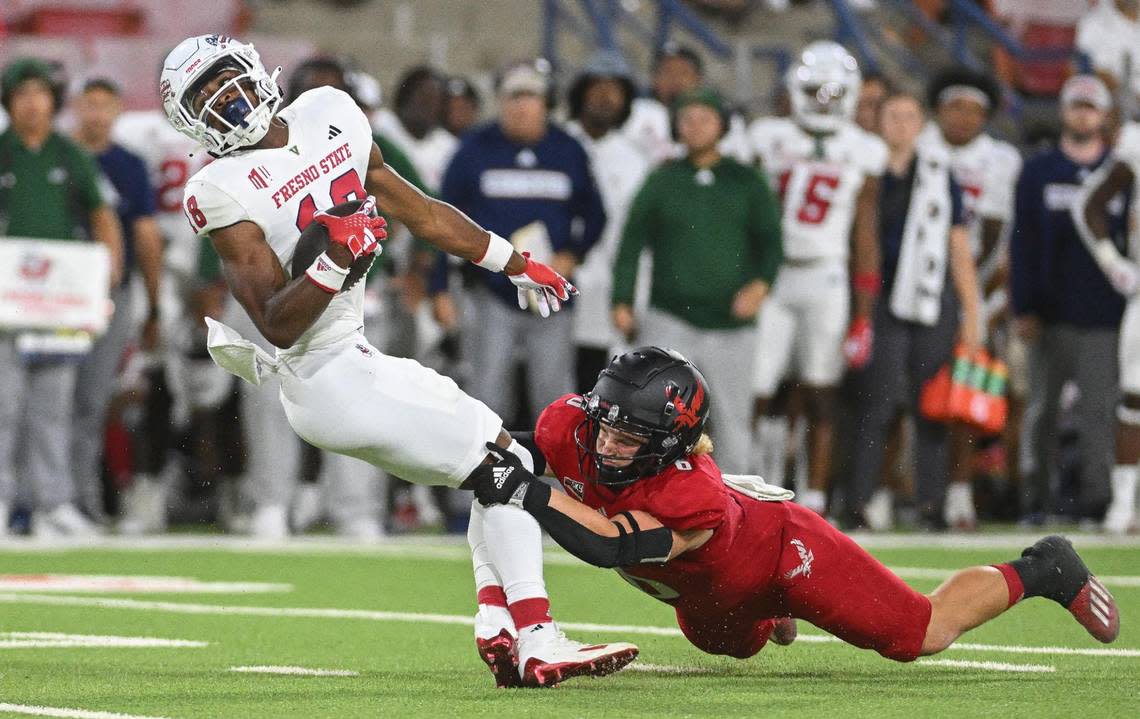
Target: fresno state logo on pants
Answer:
[[806, 559]]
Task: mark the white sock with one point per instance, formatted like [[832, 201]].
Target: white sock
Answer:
[[1124, 480], [485, 574], [514, 543]]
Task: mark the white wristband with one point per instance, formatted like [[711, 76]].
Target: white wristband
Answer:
[[498, 254], [326, 274]]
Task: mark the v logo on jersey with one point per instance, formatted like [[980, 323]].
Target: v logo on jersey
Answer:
[[333, 131], [806, 559], [499, 475]]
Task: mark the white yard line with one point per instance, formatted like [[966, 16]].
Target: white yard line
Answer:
[[666, 669], [91, 583], [38, 711], [295, 671], [53, 640], [988, 666], [466, 620]]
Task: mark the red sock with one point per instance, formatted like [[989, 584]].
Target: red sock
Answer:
[[1013, 581], [528, 612], [493, 595]]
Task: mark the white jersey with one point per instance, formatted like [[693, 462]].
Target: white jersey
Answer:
[[986, 169], [430, 155], [1127, 150], [819, 181], [323, 163], [620, 167], [170, 158]]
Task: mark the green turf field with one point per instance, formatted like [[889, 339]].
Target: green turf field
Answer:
[[405, 637]]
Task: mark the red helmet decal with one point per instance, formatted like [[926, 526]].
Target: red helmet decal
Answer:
[[687, 414]]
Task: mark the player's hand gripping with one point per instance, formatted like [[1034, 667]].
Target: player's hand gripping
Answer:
[[550, 288], [360, 232], [504, 480]]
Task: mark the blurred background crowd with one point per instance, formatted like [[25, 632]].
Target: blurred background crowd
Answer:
[[661, 155]]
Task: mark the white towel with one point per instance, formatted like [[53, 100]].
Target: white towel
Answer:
[[237, 355], [921, 272], [755, 487]]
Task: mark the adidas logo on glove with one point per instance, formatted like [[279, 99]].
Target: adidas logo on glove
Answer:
[[499, 475]]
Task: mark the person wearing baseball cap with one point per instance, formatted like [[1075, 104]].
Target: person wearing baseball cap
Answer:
[[1065, 310]]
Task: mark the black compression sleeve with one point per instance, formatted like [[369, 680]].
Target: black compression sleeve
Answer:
[[627, 549], [526, 439]]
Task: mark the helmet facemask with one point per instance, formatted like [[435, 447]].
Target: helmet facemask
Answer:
[[658, 450], [244, 120]]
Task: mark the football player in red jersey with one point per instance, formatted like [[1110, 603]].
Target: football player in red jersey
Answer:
[[732, 556]]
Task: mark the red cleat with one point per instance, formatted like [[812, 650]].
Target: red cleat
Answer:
[[500, 656], [1096, 610]]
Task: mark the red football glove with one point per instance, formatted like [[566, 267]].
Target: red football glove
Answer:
[[857, 344], [360, 232], [550, 288]]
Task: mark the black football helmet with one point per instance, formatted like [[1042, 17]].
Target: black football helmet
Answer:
[[649, 392]]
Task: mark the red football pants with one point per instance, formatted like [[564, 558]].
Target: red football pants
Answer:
[[825, 578]]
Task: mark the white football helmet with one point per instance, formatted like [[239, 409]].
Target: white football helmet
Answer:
[[824, 87], [244, 120]]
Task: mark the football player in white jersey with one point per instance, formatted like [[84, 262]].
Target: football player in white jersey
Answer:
[[1091, 215], [986, 169], [277, 170], [828, 171]]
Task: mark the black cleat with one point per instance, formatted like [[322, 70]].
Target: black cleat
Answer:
[[1066, 579]]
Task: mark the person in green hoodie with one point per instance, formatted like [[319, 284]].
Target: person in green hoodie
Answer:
[[713, 228]]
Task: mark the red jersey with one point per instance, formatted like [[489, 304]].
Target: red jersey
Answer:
[[734, 566]]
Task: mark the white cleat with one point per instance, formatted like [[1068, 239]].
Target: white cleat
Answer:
[[547, 657], [361, 529], [270, 522], [308, 506], [958, 510], [144, 508], [1121, 515], [63, 521], [879, 512]]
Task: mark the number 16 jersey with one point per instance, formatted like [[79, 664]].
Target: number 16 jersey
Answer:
[[323, 163], [819, 179]]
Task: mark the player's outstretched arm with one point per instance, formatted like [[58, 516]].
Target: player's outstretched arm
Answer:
[[631, 538], [282, 309], [445, 227], [1090, 215]]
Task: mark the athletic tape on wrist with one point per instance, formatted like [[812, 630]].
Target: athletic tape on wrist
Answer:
[[326, 274], [497, 255]]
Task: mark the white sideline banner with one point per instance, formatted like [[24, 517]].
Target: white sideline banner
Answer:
[[52, 284]]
